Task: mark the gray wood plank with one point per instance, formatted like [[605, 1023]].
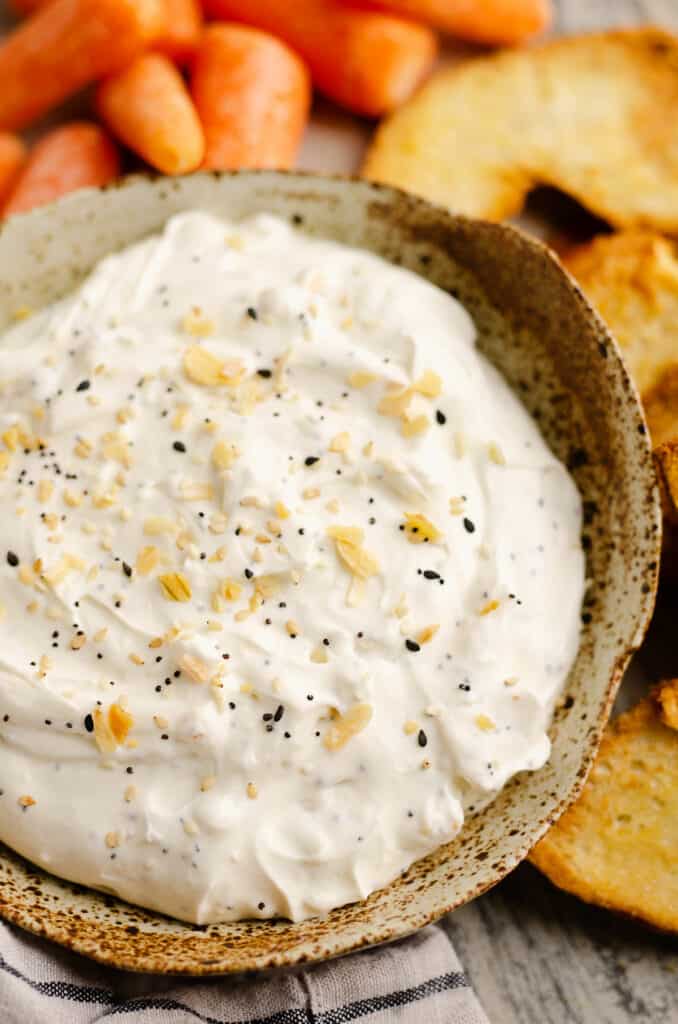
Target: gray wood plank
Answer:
[[539, 956]]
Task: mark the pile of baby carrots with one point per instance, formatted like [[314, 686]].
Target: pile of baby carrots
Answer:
[[222, 84]]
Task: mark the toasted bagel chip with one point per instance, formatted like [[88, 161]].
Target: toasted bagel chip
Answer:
[[666, 462], [632, 279], [591, 115], [617, 845]]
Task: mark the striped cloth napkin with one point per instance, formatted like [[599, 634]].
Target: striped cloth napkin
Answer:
[[415, 980]]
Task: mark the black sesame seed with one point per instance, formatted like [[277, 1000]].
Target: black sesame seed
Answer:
[[441, 418], [179, 446], [231, 705], [422, 738], [252, 313], [84, 385], [269, 727], [129, 769], [127, 569], [311, 460], [412, 645], [89, 723], [261, 906], [469, 525], [429, 574], [279, 712], [12, 559], [265, 374], [249, 574], [267, 717]]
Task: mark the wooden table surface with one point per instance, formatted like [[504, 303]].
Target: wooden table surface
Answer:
[[534, 954]]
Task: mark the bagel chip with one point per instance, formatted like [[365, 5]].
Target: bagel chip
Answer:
[[632, 280], [592, 115], [617, 846]]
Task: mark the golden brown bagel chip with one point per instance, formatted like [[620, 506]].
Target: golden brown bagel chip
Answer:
[[592, 115], [617, 846], [632, 280]]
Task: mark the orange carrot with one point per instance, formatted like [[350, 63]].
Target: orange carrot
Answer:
[[252, 94], [368, 61], [493, 22], [147, 107], [72, 156], [12, 159], [183, 26], [66, 45], [24, 7]]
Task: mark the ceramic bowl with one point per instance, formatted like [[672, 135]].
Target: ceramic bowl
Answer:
[[536, 327]]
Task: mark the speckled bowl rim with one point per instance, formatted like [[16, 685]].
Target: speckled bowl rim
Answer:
[[131, 957]]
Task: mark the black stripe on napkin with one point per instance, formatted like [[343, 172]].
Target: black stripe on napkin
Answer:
[[341, 1015]]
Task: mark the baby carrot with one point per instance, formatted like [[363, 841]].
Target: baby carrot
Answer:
[[493, 22], [252, 94], [183, 26], [148, 108], [72, 156], [12, 159], [368, 61], [24, 7], [181, 32], [64, 46]]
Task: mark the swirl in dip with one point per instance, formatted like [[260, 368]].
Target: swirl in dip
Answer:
[[290, 580]]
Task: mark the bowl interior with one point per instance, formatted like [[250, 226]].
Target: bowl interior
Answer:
[[535, 326]]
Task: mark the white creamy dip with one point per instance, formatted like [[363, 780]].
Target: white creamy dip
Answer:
[[290, 581]]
